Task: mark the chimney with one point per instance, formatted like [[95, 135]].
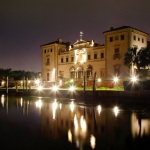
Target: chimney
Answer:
[[59, 40]]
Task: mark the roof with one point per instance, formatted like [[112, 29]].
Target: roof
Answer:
[[57, 42], [80, 42], [122, 27]]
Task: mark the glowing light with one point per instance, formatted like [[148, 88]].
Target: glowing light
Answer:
[[21, 101], [40, 88], [38, 104], [72, 106], [116, 111], [134, 79], [55, 88], [92, 43], [116, 79], [71, 80], [99, 80], [76, 122], [72, 88], [3, 82], [83, 124], [99, 108], [69, 136], [60, 106], [60, 82], [2, 100], [54, 108], [93, 141], [37, 81]]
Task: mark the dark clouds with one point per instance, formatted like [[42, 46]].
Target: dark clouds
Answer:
[[27, 24]]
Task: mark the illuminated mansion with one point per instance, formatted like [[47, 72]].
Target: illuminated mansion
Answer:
[[62, 60]]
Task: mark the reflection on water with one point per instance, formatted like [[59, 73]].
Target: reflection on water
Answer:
[[66, 124]]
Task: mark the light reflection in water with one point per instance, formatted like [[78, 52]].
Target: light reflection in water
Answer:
[[116, 111], [139, 126], [93, 141], [72, 106], [99, 109], [38, 104], [54, 108], [69, 136], [83, 126], [2, 100]]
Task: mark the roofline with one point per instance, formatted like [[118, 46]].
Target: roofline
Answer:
[[123, 27]]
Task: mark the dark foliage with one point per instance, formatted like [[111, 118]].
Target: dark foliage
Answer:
[[17, 74]]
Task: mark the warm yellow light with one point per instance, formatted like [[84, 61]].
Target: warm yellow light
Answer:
[[37, 81], [38, 104], [99, 80], [134, 79], [72, 88], [116, 111], [93, 141], [83, 124], [40, 88], [99, 108], [55, 88], [72, 106], [116, 79], [69, 136]]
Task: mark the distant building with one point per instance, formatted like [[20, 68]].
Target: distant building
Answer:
[[84, 58]]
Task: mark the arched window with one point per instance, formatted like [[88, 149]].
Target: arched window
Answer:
[[89, 71], [79, 72], [72, 72]]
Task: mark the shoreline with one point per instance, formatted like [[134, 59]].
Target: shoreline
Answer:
[[141, 97]]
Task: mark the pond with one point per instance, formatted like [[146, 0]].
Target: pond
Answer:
[[28, 123]]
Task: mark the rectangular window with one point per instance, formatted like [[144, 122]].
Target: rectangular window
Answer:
[[47, 61], [62, 60], [89, 57], [134, 37], [102, 55], [116, 53], [122, 37], [142, 40], [95, 56], [51, 50], [111, 39], [138, 39], [47, 77], [72, 59], [45, 51], [66, 59]]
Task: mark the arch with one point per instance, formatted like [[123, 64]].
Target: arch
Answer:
[[89, 70], [72, 72]]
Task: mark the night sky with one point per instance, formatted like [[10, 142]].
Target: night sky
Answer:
[[27, 24]]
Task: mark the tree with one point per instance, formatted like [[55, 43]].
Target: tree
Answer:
[[140, 59], [130, 57]]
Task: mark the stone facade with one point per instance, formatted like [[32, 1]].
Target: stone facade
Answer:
[[83, 58]]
